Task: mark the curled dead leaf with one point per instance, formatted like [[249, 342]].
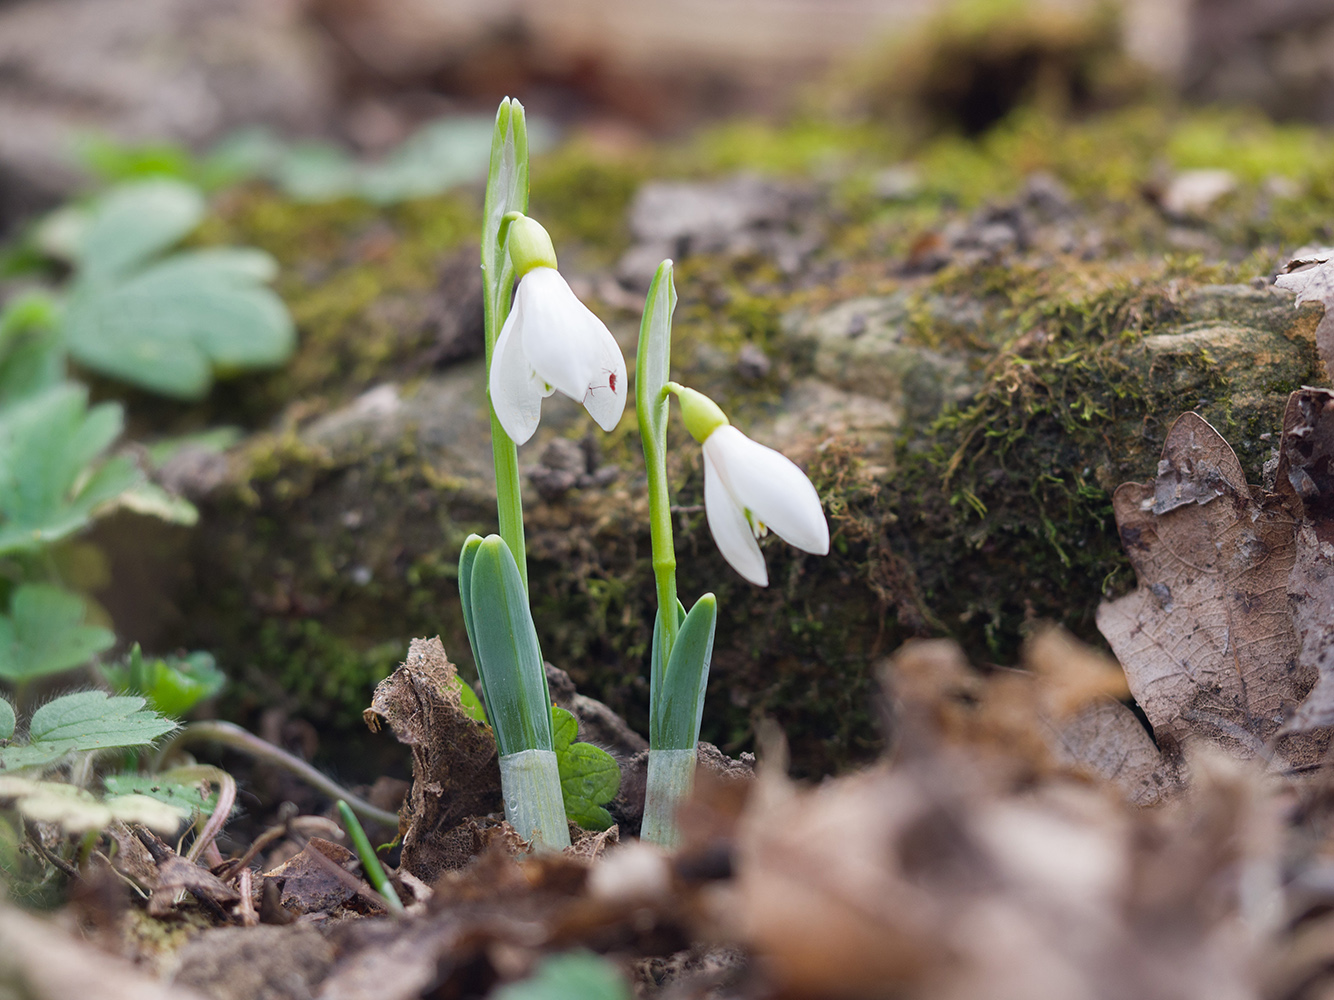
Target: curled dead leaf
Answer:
[[1207, 639]]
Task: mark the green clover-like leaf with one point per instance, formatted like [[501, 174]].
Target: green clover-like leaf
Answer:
[[589, 776], [134, 222], [44, 633], [49, 484], [170, 327]]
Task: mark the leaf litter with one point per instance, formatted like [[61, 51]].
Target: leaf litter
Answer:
[[1026, 834]]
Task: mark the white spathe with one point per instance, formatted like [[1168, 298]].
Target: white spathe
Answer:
[[748, 489], [551, 341]]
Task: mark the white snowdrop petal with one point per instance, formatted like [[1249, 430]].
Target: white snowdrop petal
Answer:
[[605, 398], [570, 348], [516, 391], [731, 532], [772, 487]]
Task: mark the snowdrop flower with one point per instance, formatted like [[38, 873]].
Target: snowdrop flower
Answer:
[[550, 341], [750, 489]]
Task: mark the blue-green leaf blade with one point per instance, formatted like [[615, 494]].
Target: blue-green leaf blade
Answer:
[[676, 711], [507, 651]]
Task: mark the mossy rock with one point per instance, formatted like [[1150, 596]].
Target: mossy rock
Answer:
[[966, 432]]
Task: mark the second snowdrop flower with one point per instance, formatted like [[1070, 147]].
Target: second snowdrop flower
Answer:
[[749, 490], [550, 341]]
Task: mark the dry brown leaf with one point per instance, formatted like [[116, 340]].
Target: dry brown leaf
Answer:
[[1306, 473], [1207, 639], [40, 961], [929, 880], [455, 773], [1310, 274]]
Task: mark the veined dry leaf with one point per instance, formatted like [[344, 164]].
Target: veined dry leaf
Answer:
[[1310, 274], [455, 773], [1306, 473], [1207, 639]]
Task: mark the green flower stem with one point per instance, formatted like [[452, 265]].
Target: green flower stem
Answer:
[[664, 548], [530, 783], [370, 864], [671, 775], [652, 361], [506, 193]]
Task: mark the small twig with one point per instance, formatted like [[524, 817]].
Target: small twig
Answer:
[[222, 811], [233, 736], [370, 864], [236, 867], [53, 859], [246, 908]]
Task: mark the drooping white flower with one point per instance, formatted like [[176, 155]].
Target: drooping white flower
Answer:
[[749, 490], [551, 342]]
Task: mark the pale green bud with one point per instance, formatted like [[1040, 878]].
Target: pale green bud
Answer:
[[529, 244], [701, 414]]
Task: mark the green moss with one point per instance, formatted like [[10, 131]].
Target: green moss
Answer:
[[317, 569]]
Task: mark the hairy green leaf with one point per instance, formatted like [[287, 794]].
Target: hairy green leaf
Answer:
[[44, 633], [508, 655], [678, 704], [86, 720], [589, 776], [47, 444], [172, 685], [76, 810], [7, 720], [187, 796], [564, 977]]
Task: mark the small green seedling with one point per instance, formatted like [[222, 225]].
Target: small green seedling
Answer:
[[172, 685]]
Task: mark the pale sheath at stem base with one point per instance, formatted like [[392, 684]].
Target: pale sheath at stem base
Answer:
[[530, 782], [671, 775]]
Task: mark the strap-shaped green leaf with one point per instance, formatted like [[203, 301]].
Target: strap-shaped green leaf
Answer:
[[657, 660], [678, 705], [509, 658], [654, 358], [467, 558], [506, 191]]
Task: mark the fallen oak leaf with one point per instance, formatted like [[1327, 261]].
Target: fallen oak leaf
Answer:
[[1306, 474], [1207, 640], [1310, 273]]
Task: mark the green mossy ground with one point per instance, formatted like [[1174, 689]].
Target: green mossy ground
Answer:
[[992, 517]]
